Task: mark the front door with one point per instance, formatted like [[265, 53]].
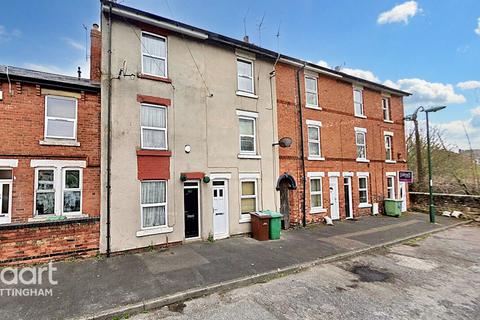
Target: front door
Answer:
[[191, 207], [334, 205], [403, 195], [347, 191], [220, 209], [6, 178]]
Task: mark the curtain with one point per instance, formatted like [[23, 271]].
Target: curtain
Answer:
[[154, 46], [153, 117], [153, 192], [153, 216], [155, 66]]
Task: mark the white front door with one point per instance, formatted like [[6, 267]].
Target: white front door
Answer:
[[334, 205], [5, 202], [403, 195], [220, 209]]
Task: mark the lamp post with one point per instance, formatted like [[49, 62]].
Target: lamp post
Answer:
[[418, 146], [431, 207]]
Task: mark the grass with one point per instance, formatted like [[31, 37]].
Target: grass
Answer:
[[415, 241]]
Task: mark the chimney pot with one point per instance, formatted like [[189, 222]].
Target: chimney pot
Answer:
[[95, 26]]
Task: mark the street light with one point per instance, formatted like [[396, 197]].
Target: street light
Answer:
[[431, 208], [418, 146]]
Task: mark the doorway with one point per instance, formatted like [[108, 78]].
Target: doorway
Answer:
[[403, 195], [334, 204], [220, 209], [6, 178], [191, 202], [347, 191]]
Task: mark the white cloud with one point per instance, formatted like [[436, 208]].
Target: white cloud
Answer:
[[454, 131], [400, 13], [477, 30], [468, 85], [323, 63], [364, 74], [74, 44], [427, 93], [6, 35], [70, 70]]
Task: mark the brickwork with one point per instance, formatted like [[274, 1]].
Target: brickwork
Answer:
[[337, 138]]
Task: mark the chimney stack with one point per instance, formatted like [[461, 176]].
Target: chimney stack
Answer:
[[95, 53]]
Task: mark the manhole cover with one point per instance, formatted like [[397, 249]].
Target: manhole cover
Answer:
[[367, 274]]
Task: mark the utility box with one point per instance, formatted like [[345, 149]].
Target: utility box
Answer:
[[393, 207], [260, 223]]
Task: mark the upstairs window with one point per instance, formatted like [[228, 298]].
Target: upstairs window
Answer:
[[245, 75], [60, 117], [313, 140], [361, 142], [153, 122], [388, 148], [386, 109], [358, 102], [311, 91], [154, 55], [247, 135]]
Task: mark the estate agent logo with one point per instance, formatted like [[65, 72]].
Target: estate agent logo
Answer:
[[27, 281]]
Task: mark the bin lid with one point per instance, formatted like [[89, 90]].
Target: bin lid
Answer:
[[273, 214], [260, 214]]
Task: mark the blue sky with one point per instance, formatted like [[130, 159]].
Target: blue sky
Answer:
[[429, 47]]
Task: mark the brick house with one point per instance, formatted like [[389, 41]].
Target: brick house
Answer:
[[353, 142], [49, 166]]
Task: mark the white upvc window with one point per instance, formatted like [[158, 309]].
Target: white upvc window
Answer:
[[58, 191], [386, 109], [388, 147], [245, 76], [153, 122], [358, 101], [153, 204], [154, 55], [6, 181], [391, 187], [248, 197], [316, 195], [311, 92], [363, 190], [247, 136], [60, 117], [314, 146], [361, 142]]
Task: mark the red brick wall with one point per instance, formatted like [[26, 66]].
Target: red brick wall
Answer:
[[95, 53], [21, 129], [337, 137]]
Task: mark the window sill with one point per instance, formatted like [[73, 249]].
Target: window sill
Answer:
[[246, 94], [365, 205], [363, 160], [390, 161], [155, 78], [313, 107], [313, 158], [361, 116], [249, 156], [318, 210], [153, 231], [53, 217], [245, 219], [59, 142], [388, 121]]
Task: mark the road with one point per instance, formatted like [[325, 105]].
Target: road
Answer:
[[433, 278]]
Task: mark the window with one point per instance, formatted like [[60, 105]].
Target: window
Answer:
[[363, 189], [60, 117], [58, 191], [358, 101], [154, 55], [361, 142], [313, 140], [245, 75], [154, 204], [6, 179], [316, 197], [72, 191], [388, 148], [247, 135], [386, 109], [248, 198], [391, 187], [153, 121], [311, 91]]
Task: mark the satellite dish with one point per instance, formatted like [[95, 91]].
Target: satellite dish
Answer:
[[285, 142]]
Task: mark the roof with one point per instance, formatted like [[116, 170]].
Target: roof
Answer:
[[183, 28], [52, 79]]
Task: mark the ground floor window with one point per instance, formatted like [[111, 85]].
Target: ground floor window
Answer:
[[58, 191], [248, 197], [154, 204], [363, 189], [316, 197], [6, 178], [391, 187]]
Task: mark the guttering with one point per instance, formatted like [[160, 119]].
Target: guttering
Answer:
[[302, 148], [109, 126], [309, 67], [157, 23]]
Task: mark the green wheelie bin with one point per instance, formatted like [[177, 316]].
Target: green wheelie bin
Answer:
[[275, 224]]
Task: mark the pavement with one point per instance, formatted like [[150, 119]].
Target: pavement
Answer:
[[433, 278], [131, 283]]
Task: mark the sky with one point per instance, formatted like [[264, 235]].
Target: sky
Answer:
[[430, 48]]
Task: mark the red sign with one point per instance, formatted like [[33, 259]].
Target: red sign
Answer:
[[405, 176]]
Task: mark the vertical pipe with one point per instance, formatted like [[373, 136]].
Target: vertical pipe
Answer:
[[419, 153], [109, 126], [430, 183], [302, 151]]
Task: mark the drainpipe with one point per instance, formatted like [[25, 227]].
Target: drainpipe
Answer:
[[109, 125], [302, 152]]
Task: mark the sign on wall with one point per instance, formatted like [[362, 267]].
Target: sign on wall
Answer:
[[405, 176]]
